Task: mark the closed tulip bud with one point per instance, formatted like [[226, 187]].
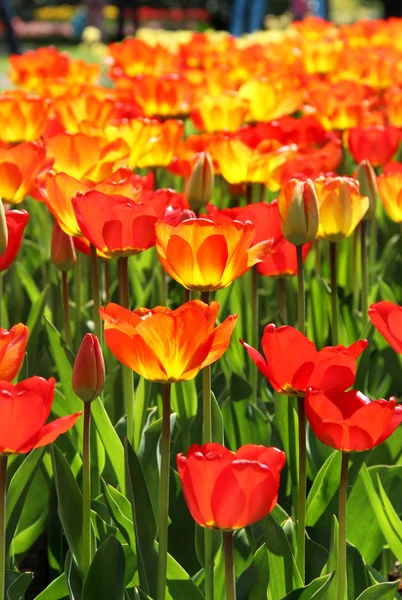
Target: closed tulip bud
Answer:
[[200, 184], [368, 187], [299, 213], [62, 249], [89, 369], [3, 230]]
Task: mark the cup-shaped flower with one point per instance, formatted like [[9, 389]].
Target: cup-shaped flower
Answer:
[[230, 490], [22, 116], [298, 209], [24, 409], [165, 345], [390, 191], [387, 319], [62, 251], [292, 363], [74, 113], [117, 226], [375, 143], [16, 221], [200, 184], [32, 68], [88, 378], [341, 207], [226, 112], [203, 255], [349, 421], [12, 349], [19, 167]]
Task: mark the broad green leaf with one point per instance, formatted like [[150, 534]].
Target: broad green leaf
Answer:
[[142, 396], [217, 421], [184, 402], [105, 579], [17, 584], [73, 577], [284, 575], [120, 510], [179, 585], [381, 591], [57, 590], [244, 423], [110, 440], [332, 564], [34, 324], [253, 582], [316, 590], [324, 487]]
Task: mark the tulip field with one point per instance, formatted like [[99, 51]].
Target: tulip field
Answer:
[[201, 318]]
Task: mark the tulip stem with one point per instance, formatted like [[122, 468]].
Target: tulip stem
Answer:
[[3, 492], [128, 378], [1, 299], [342, 581], [78, 271], [96, 293], [164, 495], [334, 291], [317, 249], [66, 309], [187, 295], [86, 489], [164, 287], [301, 510], [254, 327], [301, 300], [364, 264], [372, 249], [282, 298], [229, 565], [107, 281]]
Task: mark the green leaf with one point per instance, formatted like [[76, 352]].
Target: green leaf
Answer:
[[105, 579], [284, 575], [324, 487], [34, 324], [73, 577], [179, 584], [316, 590], [217, 421], [57, 590], [184, 402], [17, 584], [18, 490], [142, 396], [253, 582], [244, 423], [332, 564], [120, 510], [144, 521], [381, 591], [109, 439]]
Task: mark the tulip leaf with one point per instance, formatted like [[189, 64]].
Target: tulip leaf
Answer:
[[142, 397], [120, 510], [17, 584], [109, 439], [184, 402], [318, 324], [73, 577], [284, 575], [57, 590], [216, 421], [316, 590], [332, 564], [34, 324], [179, 585], [144, 521], [253, 582], [69, 504], [105, 579], [325, 486], [380, 591], [244, 423], [18, 490]]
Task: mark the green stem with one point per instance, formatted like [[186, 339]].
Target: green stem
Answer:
[[342, 580], [317, 250], [164, 286], [86, 489], [364, 265], [301, 300], [106, 267], [128, 378], [1, 299], [187, 295], [164, 495], [254, 328], [301, 509], [78, 278], [353, 273], [3, 492], [96, 293], [282, 298], [66, 309], [373, 250], [334, 291], [229, 565]]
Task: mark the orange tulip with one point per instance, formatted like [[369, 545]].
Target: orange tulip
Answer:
[[31, 68], [85, 157], [22, 116], [164, 345], [12, 350], [341, 207], [19, 167], [226, 112], [390, 191], [134, 56], [152, 143], [81, 113], [202, 255], [393, 103], [268, 102]]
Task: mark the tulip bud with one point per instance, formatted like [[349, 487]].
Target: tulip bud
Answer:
[[299, 212], [89, 369], [3, 230], [62, 249], [368, 187], [200, 184]]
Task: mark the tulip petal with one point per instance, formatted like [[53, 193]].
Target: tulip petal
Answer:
[[379, 315], [22, 416], [212, 257], [259, 361], [179, 257], [50, 432], [12, 350], [188, 490]]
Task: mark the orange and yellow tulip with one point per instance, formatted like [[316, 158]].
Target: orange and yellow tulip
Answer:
[[22, 116], [19, 167], [82, 112], [226, 112], [12, 350], [269, 101], [390, 191]]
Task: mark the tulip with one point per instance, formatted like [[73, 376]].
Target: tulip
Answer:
[[62, 250], [387, 319], [16, 221], [3, 230], [270, 101], [164, 345], [349, 421], [22, 116], [12, 350], [230, 490], [368, 187], [19, 167], [390, 191], [31, 68], [226, 112], [202, 255], [200, 184], [89, 369], [83, 111], [331, 369], [117, 226], [299, 213], [375, 143]]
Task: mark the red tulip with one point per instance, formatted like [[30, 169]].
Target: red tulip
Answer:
[[230, 490], [24, 409], [16, 222], [89, 369], [12, 350], [375, 143], [350, 422], [292, 363], [387, 319]]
